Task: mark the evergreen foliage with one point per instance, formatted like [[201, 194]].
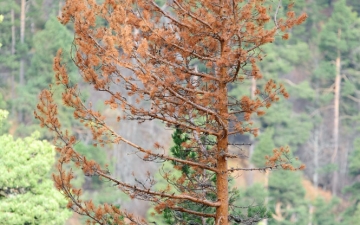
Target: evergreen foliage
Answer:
[[324, 212], [250, 202], [27, 194], [40, 73], [179, 137], [352, 212]]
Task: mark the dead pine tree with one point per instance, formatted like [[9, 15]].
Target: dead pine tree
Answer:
[[137, 48]]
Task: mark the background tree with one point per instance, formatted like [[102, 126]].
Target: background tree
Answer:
[[341, 34], [22, 21], [1, 19], [27, 194], [142, 50], [350, 214], [41, 63]]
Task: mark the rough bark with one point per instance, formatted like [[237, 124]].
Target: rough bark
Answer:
[[222, 212]]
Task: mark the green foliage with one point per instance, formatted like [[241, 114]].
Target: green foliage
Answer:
[[3, 116], [285, 188], [352, 216], [179, 152], [355, 5], [349, 88], [247, 205], [91, 152], [45, 51], [9, 60], [263, 148], [27, 193], [251, 204], [328, 168], [351, 213], [254, 195], [325, 70], [340, 32], [40, 73], [4, 124], [354, 164], [324, 213], [303, 90], [292, 129]]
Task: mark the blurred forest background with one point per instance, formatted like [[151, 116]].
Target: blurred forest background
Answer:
[[320, 66]]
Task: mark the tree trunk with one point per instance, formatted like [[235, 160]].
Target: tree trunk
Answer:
[[316, 159], [22, 37], [13, 42], [336, 118], [22, 59], [344, 159], [222, 212]]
